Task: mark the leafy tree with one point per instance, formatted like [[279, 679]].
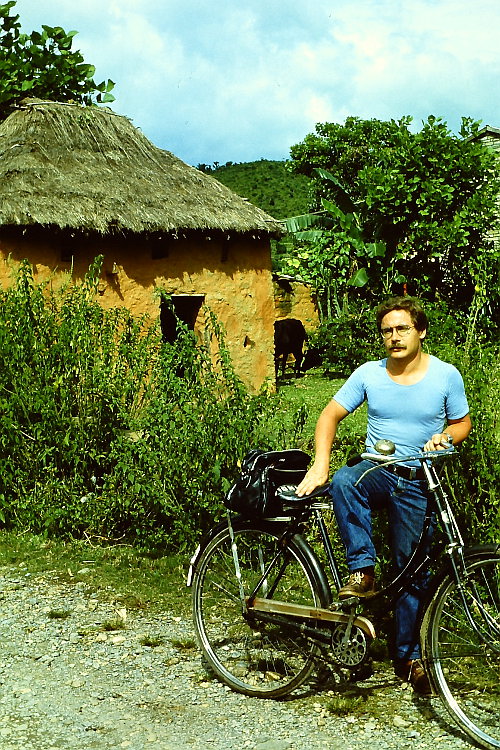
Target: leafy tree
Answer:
[[332, 253], [43, 65], [416, 206]]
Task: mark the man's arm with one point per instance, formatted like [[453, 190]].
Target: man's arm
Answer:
[[457, 430], [326, 429]]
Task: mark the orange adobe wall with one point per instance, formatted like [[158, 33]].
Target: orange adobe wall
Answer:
[[232, 274], [294, 299]]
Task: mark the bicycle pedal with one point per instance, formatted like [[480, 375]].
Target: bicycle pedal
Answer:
[[349, 603], [343, 605]]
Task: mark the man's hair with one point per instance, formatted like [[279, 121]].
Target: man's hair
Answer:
[[410, 304]]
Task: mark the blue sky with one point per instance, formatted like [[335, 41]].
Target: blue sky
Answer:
[[239, 80]]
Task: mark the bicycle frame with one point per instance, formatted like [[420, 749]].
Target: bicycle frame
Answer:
[[265, 616]]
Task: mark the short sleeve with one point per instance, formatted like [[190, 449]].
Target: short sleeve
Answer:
[[456, 405], [353, 392]]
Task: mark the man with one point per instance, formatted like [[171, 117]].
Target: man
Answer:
[[418, 402]]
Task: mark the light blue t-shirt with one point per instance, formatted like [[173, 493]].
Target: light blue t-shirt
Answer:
[[406, 414]]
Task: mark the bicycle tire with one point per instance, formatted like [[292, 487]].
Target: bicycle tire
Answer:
[[258, 659], [463, 657]]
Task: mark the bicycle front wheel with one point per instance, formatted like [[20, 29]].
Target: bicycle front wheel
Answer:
[[255, 657], [461, 646]]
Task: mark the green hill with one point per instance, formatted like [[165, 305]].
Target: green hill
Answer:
[[265, 183]]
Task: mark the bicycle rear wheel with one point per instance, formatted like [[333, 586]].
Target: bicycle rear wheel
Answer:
[[461, 646], [254, 657]]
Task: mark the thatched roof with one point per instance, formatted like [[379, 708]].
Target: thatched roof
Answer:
[[87, 168]]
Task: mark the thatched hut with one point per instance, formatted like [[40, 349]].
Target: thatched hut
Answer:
[[77, 182]]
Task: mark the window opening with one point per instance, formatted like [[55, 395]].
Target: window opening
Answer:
[[183, 307]]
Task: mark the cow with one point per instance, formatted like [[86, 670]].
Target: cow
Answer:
[[289, 338]]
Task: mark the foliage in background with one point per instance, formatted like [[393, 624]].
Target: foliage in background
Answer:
[[428, 197], [474, 476], [107, 432], [330, 251], [347, 340], [43, 65]]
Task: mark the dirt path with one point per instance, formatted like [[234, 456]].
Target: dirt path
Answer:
[[68, 682]]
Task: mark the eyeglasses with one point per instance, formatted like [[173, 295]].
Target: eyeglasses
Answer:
[[401, 331]]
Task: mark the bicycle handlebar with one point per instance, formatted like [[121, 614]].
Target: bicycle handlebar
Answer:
[[420, 456], [385, 460]]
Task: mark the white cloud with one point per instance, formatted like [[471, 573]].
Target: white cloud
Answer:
[[229, 80]]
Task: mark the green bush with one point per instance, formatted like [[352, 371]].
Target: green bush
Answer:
[[105, 431], [347, 340], [471, 344], [351, 339], [474, 477]]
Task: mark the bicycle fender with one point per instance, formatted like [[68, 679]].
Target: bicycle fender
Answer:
[[478, 550], [307, 554], [317, 568], [470, 553], [206, 538]]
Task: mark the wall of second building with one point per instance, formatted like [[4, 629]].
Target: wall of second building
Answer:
[[293, 299], [490, 137], [233, 275]]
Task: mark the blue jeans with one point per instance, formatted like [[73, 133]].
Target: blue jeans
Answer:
[[406, 503]]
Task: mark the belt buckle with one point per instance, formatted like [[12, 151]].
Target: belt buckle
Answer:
[[413, 473]]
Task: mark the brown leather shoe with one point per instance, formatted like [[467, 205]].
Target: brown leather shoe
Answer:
[[359, 584], [414, 673]]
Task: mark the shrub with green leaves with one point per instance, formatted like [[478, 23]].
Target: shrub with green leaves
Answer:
[[474, 476], [469, 340], [348, 340], [107, 432]]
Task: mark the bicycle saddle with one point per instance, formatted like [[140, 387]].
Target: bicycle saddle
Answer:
[[286, 493]]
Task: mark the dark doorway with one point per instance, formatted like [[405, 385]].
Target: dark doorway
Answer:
[[179, 307]]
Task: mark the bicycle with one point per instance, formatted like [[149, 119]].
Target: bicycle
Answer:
[[265, 616]]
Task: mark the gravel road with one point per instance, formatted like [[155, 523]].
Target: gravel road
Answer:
[[68, 682]]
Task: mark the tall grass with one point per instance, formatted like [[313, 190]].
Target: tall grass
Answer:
[[474, 479], [106, 432]]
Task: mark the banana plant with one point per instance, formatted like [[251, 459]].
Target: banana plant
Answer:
[[336, 242]]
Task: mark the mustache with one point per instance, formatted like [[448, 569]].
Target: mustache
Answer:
[[397, 346]]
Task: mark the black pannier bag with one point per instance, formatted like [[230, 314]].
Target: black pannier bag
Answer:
[[253, 495]]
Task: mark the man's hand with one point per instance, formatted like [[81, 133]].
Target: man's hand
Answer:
[[438, 442], [315, 477], [324, 435]]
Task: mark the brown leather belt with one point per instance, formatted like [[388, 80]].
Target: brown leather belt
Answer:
[[406, 472]]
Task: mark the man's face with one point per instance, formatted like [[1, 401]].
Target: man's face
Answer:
[[400, 346]]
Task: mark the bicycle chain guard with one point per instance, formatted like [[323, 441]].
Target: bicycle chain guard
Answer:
[[349, 646]]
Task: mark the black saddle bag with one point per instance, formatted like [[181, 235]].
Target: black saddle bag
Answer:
[[253, 495]]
